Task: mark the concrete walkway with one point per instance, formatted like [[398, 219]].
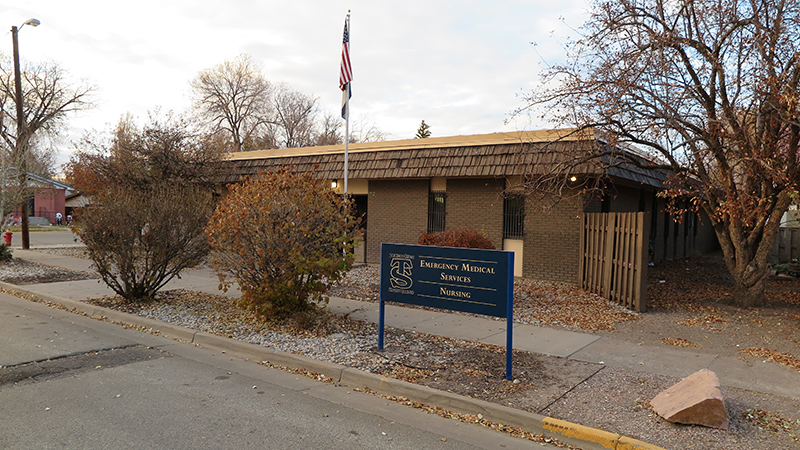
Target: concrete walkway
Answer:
[[766, 377]]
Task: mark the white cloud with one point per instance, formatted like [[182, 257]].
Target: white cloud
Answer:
[[459, 65]]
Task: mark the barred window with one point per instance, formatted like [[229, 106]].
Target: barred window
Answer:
[[436, 211], [513, 217]]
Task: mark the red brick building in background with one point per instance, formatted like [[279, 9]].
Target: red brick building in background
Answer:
[[404, 188], [49, 198]]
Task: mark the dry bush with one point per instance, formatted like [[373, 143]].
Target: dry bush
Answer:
[[284, 238], [151, 197], [461, 237], [139, 241]]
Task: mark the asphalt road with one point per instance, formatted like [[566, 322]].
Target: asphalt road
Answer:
[[68, 381], [46, 238]]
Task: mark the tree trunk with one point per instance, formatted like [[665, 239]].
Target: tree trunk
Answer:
[[749, 270], [748, 290], [747, 263]]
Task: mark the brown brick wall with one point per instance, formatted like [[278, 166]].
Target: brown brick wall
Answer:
[[552, 241], [398, 213], [476, 204]]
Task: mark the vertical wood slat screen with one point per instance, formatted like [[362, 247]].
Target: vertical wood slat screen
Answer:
[[786, 248], [614, 250]]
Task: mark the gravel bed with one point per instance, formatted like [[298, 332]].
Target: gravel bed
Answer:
[[343, 342], [21, 272], [72, 252]]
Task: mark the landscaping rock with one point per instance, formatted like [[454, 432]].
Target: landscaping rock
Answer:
[[696, 400]]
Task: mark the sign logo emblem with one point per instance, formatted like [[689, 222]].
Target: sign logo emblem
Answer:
[[400, 273]]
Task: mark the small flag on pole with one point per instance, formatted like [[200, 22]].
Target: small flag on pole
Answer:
[[345, 71]]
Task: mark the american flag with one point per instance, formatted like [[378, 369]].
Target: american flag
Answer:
[[345, 71]]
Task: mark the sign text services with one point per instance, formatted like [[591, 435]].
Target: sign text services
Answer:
[[458, 279]]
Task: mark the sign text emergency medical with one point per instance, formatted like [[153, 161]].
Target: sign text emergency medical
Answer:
[[458, 279]]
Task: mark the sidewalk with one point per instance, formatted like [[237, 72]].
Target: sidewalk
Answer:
[[587, 347]]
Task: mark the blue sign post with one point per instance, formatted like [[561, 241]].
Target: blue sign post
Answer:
[[458, 279]]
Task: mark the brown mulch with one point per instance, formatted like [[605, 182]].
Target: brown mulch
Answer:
[[535, 302]]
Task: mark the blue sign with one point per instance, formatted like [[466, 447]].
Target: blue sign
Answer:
[[458, 279]]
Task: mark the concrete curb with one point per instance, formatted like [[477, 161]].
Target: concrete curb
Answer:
[[586, 437]]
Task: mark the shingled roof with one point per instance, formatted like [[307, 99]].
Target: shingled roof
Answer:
[[476, 156]]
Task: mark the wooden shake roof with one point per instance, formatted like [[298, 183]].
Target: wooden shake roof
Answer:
[[475, 156]]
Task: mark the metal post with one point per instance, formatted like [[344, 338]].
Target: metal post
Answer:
[[381, 314], [21, 142], [346, 140], [510, 317]]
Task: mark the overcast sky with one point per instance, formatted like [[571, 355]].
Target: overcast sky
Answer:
[[460, 65]]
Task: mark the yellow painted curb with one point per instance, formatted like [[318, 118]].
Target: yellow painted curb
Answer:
[[611, 441], [575, 431], [626, 443]]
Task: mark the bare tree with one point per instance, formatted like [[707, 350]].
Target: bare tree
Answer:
[[364, 130], [294, 120], [47, 99], [710, 90], [329, 132], [234, 97]]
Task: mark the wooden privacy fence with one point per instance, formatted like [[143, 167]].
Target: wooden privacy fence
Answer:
[[786, 247], [614, 257]]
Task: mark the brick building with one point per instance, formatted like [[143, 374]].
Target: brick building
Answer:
[[407, 187], [49, 198]]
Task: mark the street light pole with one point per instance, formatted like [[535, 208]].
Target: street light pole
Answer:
[[22, 135]]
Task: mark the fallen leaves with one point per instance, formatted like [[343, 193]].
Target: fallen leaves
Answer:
[[688, 285], [773, 422], [679, 342], [535, 302], [472, 418], [553, 303], [410, 374], [773, 355], [706, 321], [306, 373], [784, 295], [476, 373]]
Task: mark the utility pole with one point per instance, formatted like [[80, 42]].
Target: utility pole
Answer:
[[20, 149]]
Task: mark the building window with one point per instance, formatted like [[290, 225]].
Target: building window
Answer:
[[436, 211], [513, 217]]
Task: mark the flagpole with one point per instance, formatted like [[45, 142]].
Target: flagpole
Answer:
[[346, 137], [345, 80]]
